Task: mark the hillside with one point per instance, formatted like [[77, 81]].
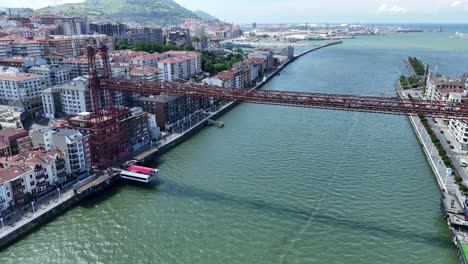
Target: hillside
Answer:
[[145, 12], [204, 15]]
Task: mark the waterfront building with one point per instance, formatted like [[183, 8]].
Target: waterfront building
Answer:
[[263, 54], [73, 143], [153, 129], [170, 110], [135, 126], [436, 86], [249, 72], [232, 78], [29, 174]]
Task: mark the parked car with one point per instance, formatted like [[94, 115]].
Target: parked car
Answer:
[[463, 163], [452, 147], [441, 131], [448, 142]]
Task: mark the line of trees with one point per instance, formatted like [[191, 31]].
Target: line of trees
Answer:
[[417, 65], [151, 47], [443, 154]]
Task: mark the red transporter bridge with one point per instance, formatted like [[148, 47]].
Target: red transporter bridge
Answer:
[[108, 138]]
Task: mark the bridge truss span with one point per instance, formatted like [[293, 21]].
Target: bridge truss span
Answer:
[[385, 105]]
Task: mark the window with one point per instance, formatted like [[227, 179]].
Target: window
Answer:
[[32, 183]]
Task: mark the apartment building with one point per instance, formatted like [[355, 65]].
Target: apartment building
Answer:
[[73, 46], [171, 109], [27, 48], [69, 99], [12, 141], [29, 174], [54, 74], [5, 50], [22, 90], [72, 143], [146, 73], [135, 126]]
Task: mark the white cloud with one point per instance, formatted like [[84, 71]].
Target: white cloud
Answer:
[[456, 3], [393, 10]]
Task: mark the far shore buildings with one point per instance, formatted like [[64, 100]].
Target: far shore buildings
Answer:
[[451, 90]]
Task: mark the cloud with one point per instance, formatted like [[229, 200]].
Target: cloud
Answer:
[[456, 3], [392, 10]]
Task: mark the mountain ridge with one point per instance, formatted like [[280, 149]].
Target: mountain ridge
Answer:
[[144, 12]]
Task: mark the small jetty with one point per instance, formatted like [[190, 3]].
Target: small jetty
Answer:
[[212, 122]]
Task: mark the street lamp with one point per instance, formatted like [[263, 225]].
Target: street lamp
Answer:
[[34, 210], [60, 196], [448, 172]]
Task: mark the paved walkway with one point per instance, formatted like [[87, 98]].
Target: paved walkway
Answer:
[[19, 218]]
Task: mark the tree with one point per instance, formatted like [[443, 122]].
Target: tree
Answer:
[[121, 44], [195, 39]]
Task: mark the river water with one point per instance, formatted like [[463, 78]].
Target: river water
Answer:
[[280, 184]]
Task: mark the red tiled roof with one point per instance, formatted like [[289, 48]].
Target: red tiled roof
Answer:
[[227, 75], [19, 76], [11, 173], [10, 132], [450, 90], [145, 70]]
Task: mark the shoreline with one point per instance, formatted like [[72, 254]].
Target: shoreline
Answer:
[[43, 217], [448, 192]]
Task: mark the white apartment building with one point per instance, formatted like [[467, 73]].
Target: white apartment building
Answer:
[[32, 172], [5, 50], [22, 90], [196, 63], [54, 74], [148, 60], [175, 68], [447, 90], [27, 48], [73, 98], [146, 73], [73, 143]]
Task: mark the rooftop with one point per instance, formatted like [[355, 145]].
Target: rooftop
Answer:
[[11, 173], [10, 132], [15, 76]]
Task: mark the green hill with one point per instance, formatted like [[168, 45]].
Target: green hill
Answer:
[[145, 12], [204, 15]]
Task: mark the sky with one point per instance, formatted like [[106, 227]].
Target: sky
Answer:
[[313, 11]]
